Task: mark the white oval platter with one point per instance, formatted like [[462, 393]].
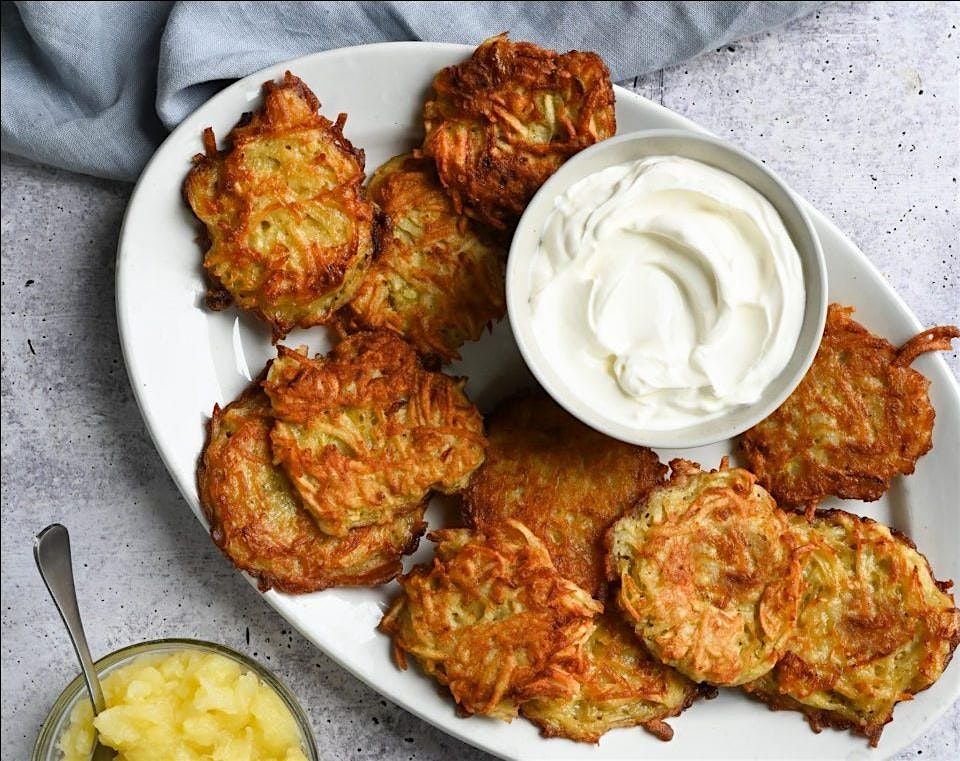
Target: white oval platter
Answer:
[[183, 358]]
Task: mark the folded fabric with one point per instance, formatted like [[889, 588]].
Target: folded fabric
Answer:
[[94, 87]]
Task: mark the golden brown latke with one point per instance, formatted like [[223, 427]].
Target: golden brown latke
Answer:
[[709, 574], [566, 482], [874, 628], [500, 123], [438, 280], [289, 231], [365, 432], [491, 619], [621, 686], [858, 418], [256, 518]]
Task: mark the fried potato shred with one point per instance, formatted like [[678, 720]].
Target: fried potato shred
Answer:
[[438, 280], [288, 229], [622, 685], [500, 123], [365, 432], [875, 627], [491, 619], [566, 482], [709, 574], [858, 418], [934, 339], [257, 521]]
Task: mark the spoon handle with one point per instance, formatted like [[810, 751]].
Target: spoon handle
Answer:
[[51, 550]]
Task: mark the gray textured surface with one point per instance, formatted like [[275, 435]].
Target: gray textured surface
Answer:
[[857, 108]]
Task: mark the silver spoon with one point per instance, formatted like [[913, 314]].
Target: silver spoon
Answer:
[[51, 550]]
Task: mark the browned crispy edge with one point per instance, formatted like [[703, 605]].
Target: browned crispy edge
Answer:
[[819, 718], [933, 339], [657, 727]]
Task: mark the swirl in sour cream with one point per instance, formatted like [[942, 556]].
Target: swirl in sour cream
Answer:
[[666, 292]]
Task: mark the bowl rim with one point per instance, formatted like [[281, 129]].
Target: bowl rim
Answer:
[[48, 735], [710, 431]]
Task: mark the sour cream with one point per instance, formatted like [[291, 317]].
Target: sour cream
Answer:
[[666, 292]]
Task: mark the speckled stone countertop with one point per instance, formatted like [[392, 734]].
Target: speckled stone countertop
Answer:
[[857, 107]]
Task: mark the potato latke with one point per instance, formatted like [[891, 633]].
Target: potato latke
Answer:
[[256, 518], [438, 279], [858, 418], [566, 482], [500, 123], [491, 619], [365, 432], [621, 686], [709, 574], [874, 628], [288, 229]]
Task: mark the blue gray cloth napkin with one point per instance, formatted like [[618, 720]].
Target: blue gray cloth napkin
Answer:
[[94, 87]]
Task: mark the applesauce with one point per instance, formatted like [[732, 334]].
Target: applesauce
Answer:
[[184, 700]]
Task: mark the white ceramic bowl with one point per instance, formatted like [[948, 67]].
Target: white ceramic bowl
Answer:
[[709, 150]]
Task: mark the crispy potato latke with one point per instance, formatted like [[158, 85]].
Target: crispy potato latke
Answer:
[[491, 619], [365, 433], [438, 281], [566, 482], [500, 123], [256, 518], [874, 628], [288, 229], [622, 686], [709, 574], [858, 418]]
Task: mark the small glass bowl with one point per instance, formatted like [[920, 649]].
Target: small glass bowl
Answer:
[[59, 717]]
